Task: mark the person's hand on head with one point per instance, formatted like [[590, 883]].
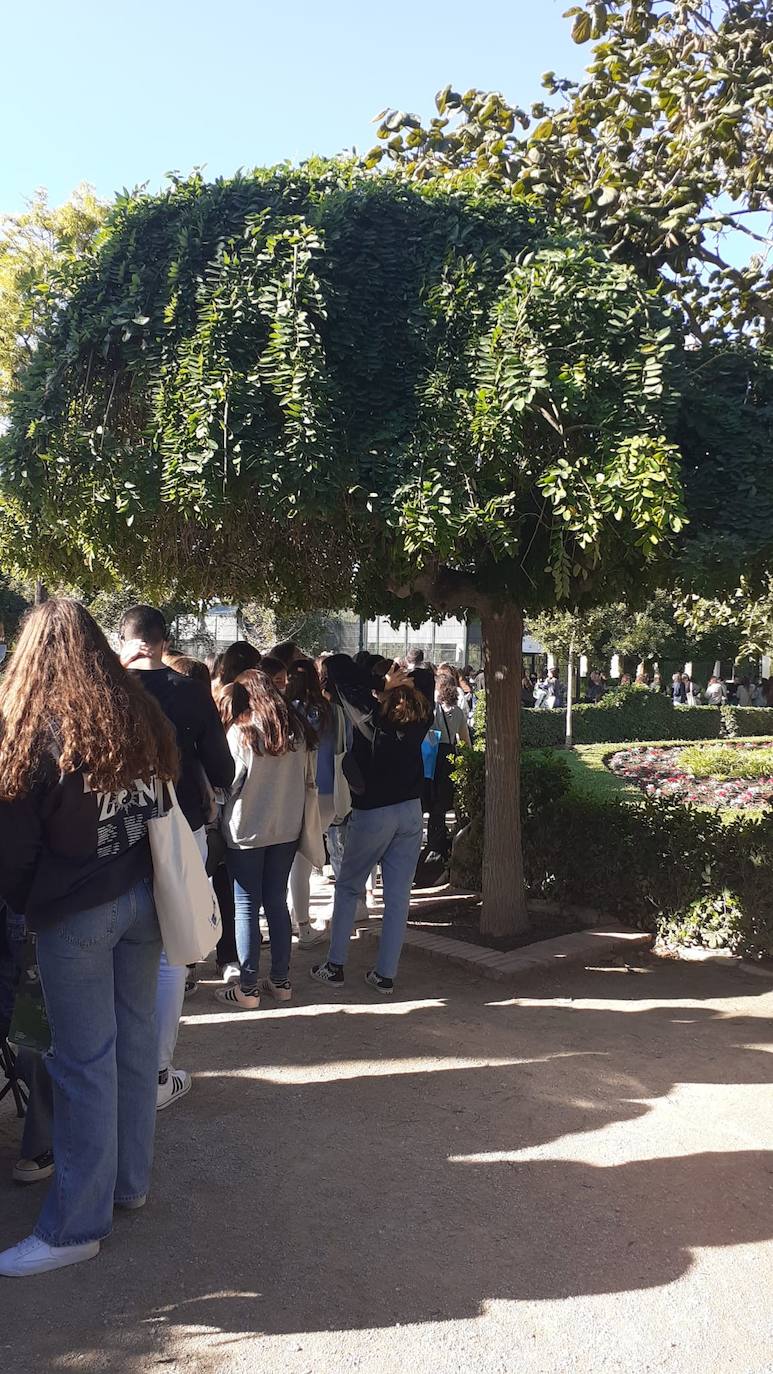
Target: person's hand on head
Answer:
[[396, 677]]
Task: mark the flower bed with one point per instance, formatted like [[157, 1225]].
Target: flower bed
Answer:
[[663, 771]]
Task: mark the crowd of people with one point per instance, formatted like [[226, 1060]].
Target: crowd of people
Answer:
[[545, 691], [265, 750]]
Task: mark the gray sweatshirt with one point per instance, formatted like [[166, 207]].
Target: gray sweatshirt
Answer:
[[265, 804]]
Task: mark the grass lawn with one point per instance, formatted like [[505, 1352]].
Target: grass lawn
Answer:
[[593, 780]]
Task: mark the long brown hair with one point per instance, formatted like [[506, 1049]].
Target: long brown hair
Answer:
[[67, 696], [447, 689], [268, 723]]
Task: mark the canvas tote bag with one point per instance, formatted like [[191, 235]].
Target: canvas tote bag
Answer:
[[187, 908], [311, 844]]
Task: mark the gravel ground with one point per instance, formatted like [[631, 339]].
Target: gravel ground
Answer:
[[575, 1174]]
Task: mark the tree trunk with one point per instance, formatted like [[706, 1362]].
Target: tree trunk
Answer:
[[504, 899], [41, 593]]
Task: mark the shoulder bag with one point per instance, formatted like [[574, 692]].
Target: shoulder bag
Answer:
[[187, 908]]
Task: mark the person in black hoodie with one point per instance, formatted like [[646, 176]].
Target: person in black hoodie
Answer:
[[206, 764], [82, 750], [391, 716]]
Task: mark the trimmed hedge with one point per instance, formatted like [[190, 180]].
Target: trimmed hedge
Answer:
[[631, 715], [694, 875], [667, 866]]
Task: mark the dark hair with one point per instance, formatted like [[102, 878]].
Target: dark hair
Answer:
[[272, 666], [273, 726], [304, 689], [287, 652], [238, 658], [145, 623], [446, 689], [414, 656], [67, 696], [189, 667]]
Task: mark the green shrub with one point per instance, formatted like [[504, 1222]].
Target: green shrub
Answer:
[[727, 761], [656, 863], [718, 922], [469, 776], [545, 778], [753, 720], [700, 722], [632, 715]]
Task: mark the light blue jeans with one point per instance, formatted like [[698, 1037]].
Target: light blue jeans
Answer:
[[99, 970], [391, 836]]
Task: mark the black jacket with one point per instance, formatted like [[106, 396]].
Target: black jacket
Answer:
[[64, 848], [200, 737], [387, 758]]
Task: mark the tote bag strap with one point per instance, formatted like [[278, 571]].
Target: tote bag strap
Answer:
[[166, 789]]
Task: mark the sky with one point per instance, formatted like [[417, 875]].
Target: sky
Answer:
[[119, 94]]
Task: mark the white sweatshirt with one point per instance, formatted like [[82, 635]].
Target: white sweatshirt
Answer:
[[265, 804]]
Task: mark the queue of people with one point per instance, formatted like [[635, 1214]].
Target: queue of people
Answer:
[[268, 754]]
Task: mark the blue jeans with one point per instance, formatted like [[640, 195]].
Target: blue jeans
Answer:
[[260, 879], [99, 970], [391, 836]]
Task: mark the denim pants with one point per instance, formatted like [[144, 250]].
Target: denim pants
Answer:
[[260, 880], [99, 970], [391, 836]]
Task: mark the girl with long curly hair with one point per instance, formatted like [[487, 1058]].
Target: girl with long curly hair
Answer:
[[83, 750], [262, 820]]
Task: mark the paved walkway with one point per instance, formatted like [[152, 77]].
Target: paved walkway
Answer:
[[575, 1174]]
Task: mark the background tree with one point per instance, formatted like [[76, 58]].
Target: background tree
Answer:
[[316, 386], [41, 253], [663, 147]]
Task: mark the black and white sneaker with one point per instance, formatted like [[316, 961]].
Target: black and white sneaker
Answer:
[[332, 974], [385, 986]]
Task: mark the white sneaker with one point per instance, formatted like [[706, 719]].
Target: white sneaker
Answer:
[[176, 1085], [310, 936], [281, 992], [237, 1000], [34, 1256], [230, 974]]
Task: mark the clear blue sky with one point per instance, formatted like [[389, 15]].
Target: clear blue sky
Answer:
[[116, 94]]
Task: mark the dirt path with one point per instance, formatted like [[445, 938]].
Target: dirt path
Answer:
[[571, 1176]]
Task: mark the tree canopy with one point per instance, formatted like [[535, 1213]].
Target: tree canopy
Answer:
[[663, 147], [341, 389]]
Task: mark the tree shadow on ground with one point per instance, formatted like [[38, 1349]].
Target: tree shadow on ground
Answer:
[[332, 1170]]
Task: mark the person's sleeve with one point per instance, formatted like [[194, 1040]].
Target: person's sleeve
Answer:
[[464, 731], [21, 842], [212, 746]]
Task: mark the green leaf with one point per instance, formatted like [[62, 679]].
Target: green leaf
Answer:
[[582, 28]]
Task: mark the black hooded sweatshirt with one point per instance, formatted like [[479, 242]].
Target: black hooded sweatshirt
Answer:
[[387, 757]]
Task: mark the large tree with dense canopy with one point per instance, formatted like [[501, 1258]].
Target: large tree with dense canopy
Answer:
[[329, 388]]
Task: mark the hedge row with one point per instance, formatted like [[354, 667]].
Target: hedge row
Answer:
[[692, 875], [641, 716]]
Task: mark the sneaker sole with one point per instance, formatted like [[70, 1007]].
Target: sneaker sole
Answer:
[[28, 1176], [175, 1097], [236, 1006]]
